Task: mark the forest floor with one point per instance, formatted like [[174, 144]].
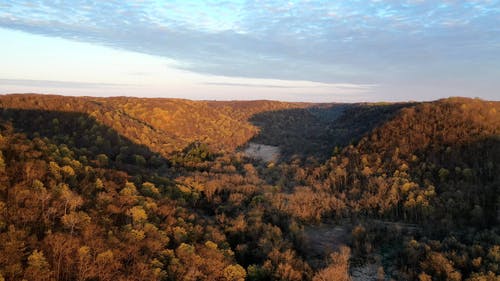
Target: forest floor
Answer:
[[365, 272], [323, 239]]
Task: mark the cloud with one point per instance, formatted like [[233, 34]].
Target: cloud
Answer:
[[330, 42], [56, 84], [296, 85], [248, 85]]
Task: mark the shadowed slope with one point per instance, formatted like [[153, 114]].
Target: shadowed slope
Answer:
[[85, 137], [315, 131]]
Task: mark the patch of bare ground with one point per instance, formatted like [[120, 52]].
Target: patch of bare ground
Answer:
[[266, 153], [321, 240]]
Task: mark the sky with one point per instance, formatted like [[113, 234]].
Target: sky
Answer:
[[309, 50]]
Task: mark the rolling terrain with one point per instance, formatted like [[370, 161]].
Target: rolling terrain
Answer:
[[170, 189]]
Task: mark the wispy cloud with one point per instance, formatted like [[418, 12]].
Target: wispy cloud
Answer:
[[331, 42], [57, 84], [248, 85], [298, 85]]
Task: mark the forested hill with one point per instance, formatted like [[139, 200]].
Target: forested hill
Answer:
[[167, 126], [433, 158], [158, 189], [164, 125]]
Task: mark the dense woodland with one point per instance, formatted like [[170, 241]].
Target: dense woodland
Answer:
[[159, 189]]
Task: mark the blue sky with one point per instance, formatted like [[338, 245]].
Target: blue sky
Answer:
[[288, 50]]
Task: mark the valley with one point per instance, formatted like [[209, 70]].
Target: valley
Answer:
[[170, 189]]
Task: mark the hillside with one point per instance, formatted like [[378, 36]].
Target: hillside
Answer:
[[164, 125], [433, 172], [158, 189], [168, 126]]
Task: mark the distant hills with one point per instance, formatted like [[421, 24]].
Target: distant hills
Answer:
[[170, 125]]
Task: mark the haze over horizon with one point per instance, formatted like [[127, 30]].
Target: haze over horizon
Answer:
[[317, 51]]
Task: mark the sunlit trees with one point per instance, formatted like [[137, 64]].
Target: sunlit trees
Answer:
[[338, 269], [38, 268], [125, 189], [440, 267]]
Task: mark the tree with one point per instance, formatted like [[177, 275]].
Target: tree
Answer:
[[106, 266], [38, 268], [139, 160], [338, 269], [99, 184], [70, 199], [234, 273], [84, 263], [2, 163], [102, 160], [12, 252], [138, 214], [75, 220], [424, 277], [440, 267]]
